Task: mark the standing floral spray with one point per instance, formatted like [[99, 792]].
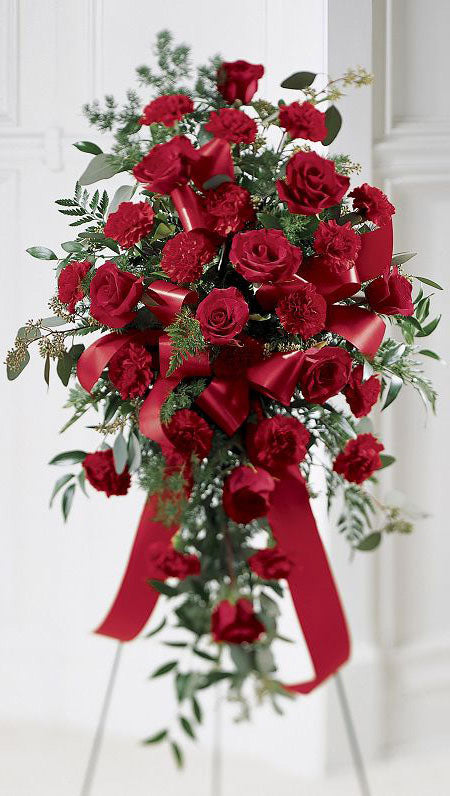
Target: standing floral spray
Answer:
[[242, 299]]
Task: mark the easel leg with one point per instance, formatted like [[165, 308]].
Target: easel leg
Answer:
[[352, 737]]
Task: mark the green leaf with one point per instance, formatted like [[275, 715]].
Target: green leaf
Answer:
[[101, 167], [394, 389], [165, 669], [402, 257], [214, 677], [177, 753], [59, 485], [159, 736], [196, 709], [123, 194], [429, 328], [42, 253], [47, 370], [120, 453], [177, 644], [81, 478], [386, 460], [69, 457], [163, 231], [72, 246], [28, 334], [163, 588], [52, 321], [89, 147], [333, 121], [299, 80], [369, 542], [264, 660], [242, 658], [64, 368], [205, 655], [134, 453], [67, 500], [187, 727], [427, 353], [75, 351], [429, 282], [157, 629], [269, 221]]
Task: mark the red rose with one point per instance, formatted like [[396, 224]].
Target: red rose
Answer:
[[233, 360], [302, 311], [312, 184], [130, 370], [130, 223], [222, 315], [101, 473], [235, 623], [270, 564], [70, 288], [230, 207], [184, 256], [373, 204], [359, 459], [361, 395], [247, 493], [390, 294], [232, 125], [114, 294], [277, 442], [238, 80], [167, 110], [303, 120], [338, 245], [189, 433], [265, 255], [167, 166], [166, 562], [324, 373]]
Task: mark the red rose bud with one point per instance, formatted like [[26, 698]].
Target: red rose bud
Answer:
[[391, 294], [230, 208], [238, 80], [167, 110], [167, 166], [184, 256], [114, 294], [232, 125], [311, 184], [130, 370], [361, 395], [303, 120], [270, 564], [233, 360], [276, 443], [189, 433], [265, 255], [166, 562], [373, 204], [247, 493], [359, 459], [303, 311], [324, 373], [101, 473], [236, 623], [222, 315], [70, 288], [337, 245], [130, 223]]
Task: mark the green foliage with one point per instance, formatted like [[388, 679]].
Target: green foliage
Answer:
[[186, 337]]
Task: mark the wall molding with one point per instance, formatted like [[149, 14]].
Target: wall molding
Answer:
[[9, 69]]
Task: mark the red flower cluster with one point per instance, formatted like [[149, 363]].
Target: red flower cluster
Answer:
[[184, 256], [338, 245], [391, 294], [130, 223], [166, 562], [276, 443], [270, 564], [238, 80], [167, 166], [324, 373], [303, 120], [361, 395], [247, 493], [114, 294], [167, 110], [70, 287], [359, 459], [236, 623], [232, 125], [373, 204], [233, 360], [312, 184], [265, 255], [101, 473], [189, 434], [222, 315], [302, 311], [130, 370], [230, 208]]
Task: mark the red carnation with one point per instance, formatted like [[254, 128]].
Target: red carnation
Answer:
[[324, 373], [247, 493], [361, 395], [232, 125], [337, 245], [373, 204], [235, 623], [230, 207], [233, 360], [114, 294], [265, 255], [276, 443], [101, 473], [70, 288], [311, 184], [302, 311], [238, 80], [359, 459], [167, 166], [130, 370], [222, 315], [166, 562], [184, 256], [390, 294], [270, 564], [303, 120], [130, 223], [167, 110], [189, 434]]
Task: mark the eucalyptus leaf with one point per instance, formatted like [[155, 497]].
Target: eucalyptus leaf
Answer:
[[69, 457], [264, 660], [123, 194], [402, 257], [164, 669], [156, 738], [333, 121], [242, 658], [101, 167], [64, 368], [47, 370], [27, 334], [67, 500], [394, 388], [299, 80], [429, 282], [134, 453], [42, 253], [88, 147], [59, 485], [53, 320], [120, 453], [369, 542]]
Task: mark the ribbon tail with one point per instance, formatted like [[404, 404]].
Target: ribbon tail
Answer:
[[311, 583], [363, 328]]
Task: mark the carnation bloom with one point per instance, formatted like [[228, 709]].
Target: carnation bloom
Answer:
[[359, 459], [238, 80], [189, 433], [232, 125], [184, 255], [130, 223], [167, 110], [235, 623], [373, 204], [311, 184], [222, 315], [247, 493], [130, 370], [166, 562], [361, 395], [338, 245], [302, 311], [276, 443], [101, 473], [230, 208], [270, 564], [265, 255], [390, 294], [70, 287], [303, 120]]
